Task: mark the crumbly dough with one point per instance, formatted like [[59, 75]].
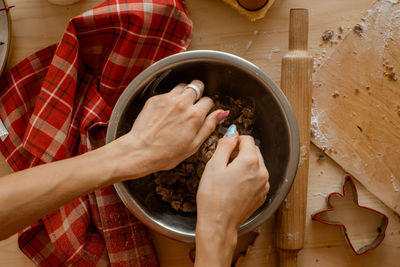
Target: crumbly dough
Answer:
[[179, 186]]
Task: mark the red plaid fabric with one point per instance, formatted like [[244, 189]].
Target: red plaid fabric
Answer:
[[56, 104]]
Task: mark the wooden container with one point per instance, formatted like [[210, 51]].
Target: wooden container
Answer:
[[252, 5], [63, 2]]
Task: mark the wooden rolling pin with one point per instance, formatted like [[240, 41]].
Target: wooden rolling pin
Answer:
[[296, 83]]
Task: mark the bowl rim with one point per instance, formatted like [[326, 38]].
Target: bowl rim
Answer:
[[168, 62]]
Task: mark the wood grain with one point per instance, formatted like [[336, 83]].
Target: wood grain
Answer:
[[296, 83], [37, 24], [357, 106]]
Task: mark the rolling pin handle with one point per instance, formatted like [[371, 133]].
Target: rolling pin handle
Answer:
[[298, 29], [288, 258]]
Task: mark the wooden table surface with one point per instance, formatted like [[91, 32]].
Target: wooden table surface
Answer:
[[36, 24]]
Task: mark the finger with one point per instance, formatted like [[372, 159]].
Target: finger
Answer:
[[204, 105], [178, 89], [262, 163], [234, 154], [208, 127], [225, 147], [246, 145], [267, 187], [194, 90], [247, 152]]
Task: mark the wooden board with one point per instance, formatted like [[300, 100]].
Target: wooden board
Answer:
[[4, 36], [356, 113]]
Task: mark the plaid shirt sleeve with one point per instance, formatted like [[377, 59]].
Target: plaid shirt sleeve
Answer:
[[56, 104]]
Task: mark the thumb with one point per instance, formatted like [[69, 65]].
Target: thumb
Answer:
[[209, 125], [226, 146]]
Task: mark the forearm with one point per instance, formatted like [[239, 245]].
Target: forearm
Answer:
[[28, 195], [215, 244]]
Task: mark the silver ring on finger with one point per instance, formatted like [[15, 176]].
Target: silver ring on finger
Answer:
[[195, 88]]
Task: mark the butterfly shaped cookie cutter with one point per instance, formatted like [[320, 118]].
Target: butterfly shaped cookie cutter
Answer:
[[356, 220]]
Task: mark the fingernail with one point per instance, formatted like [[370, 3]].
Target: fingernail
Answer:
[[231, 132], [222, 115]]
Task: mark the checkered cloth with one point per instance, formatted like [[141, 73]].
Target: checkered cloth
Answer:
[[56, 104]]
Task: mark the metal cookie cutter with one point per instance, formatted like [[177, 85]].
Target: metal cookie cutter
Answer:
[[363, 227]]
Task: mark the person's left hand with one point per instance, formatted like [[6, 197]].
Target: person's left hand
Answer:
[[170, 128]]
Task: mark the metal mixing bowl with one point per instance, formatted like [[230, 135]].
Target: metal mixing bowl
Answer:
[[222, 73]]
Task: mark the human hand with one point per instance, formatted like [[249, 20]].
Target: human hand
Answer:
[[170, 128], [233, 190], [230, 190]]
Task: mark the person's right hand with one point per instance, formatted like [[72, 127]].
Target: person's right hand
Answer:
[[233, 190], [229, 192], [170, 128]]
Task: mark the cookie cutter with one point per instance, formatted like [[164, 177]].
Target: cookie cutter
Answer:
[[327, 216]]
